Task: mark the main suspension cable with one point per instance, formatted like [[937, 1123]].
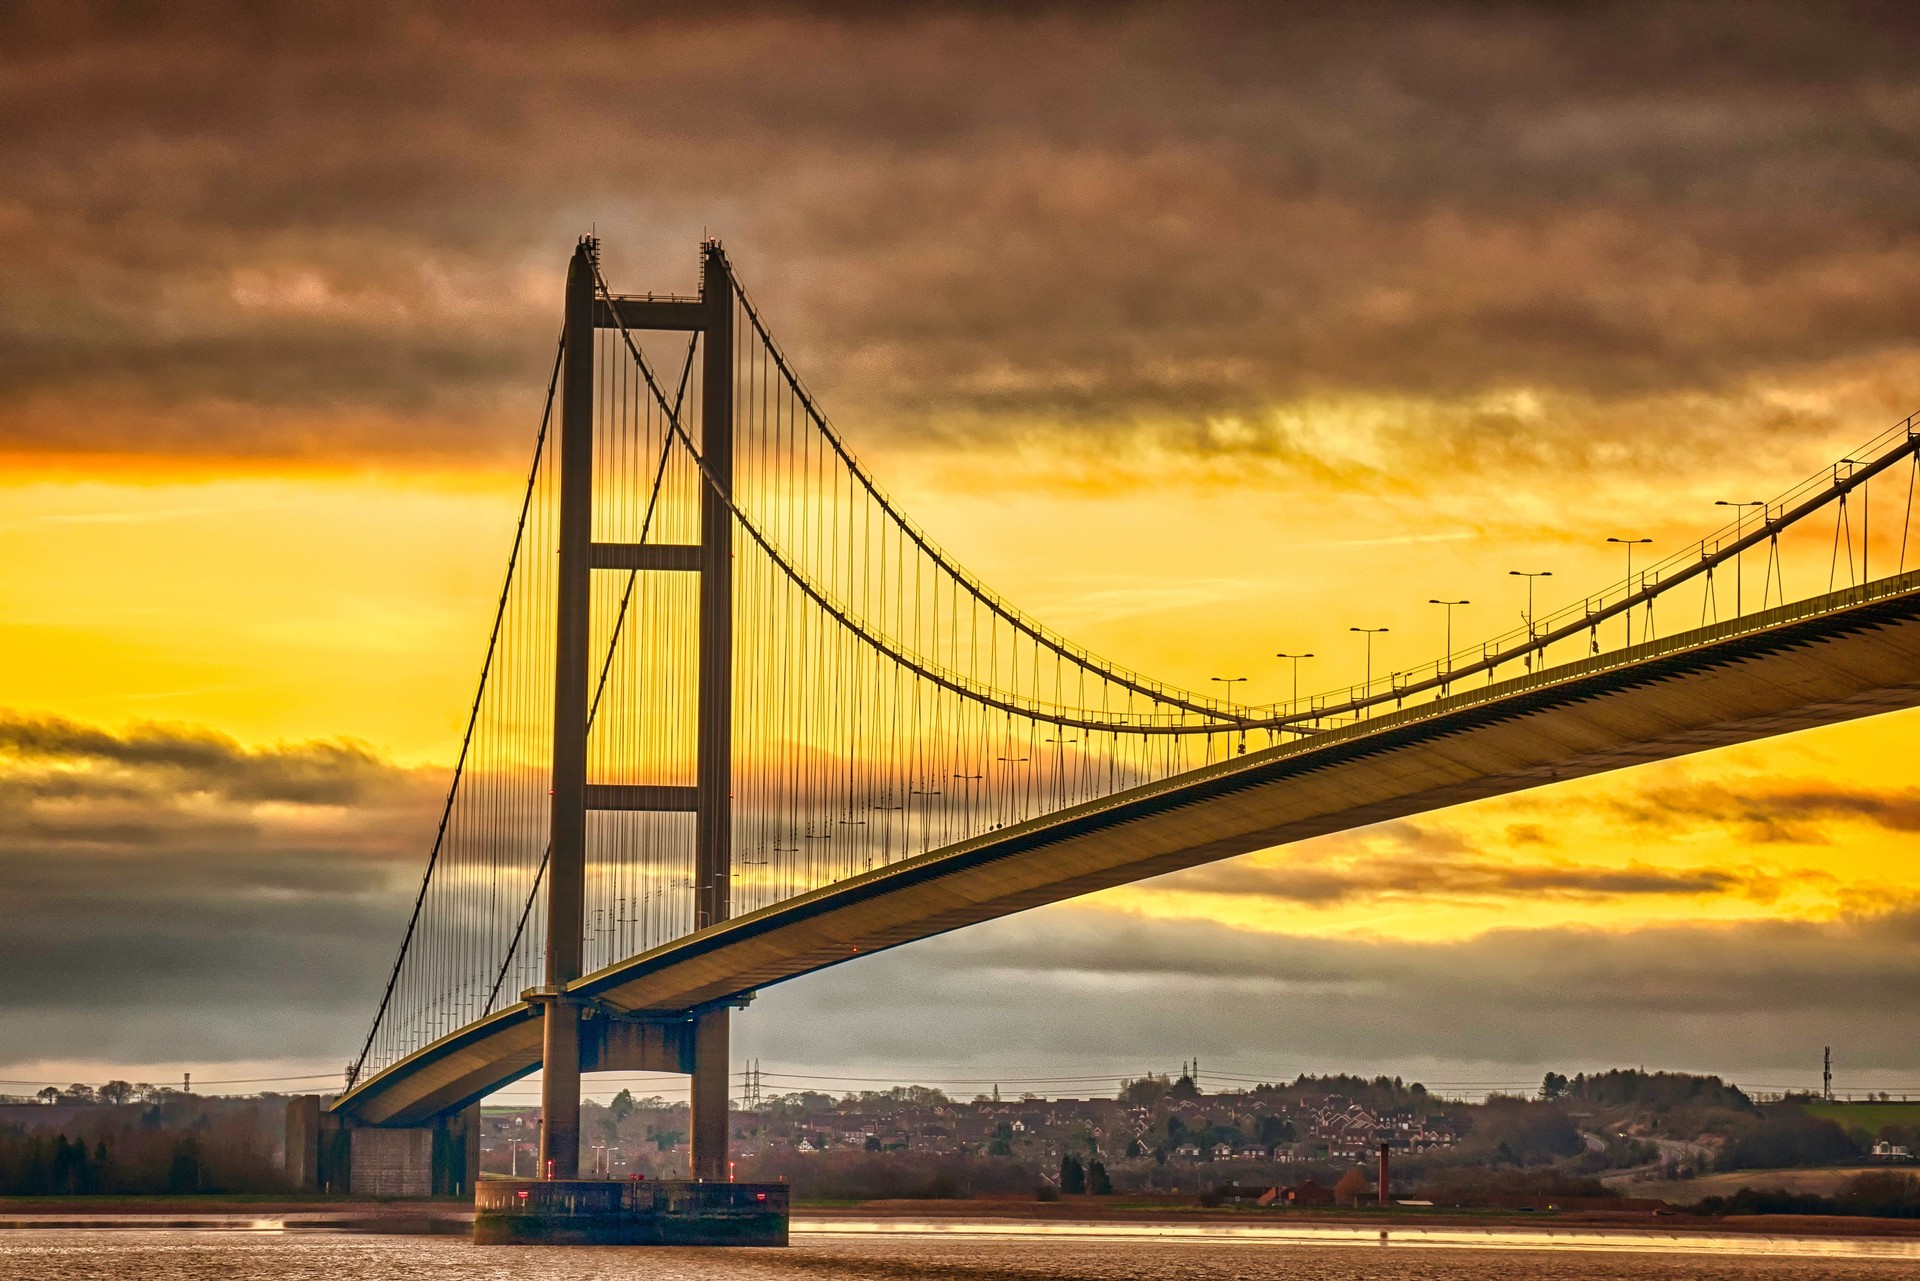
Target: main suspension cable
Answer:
[[473, 717]]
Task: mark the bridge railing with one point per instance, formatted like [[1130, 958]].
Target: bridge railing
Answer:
[[1794, 513]]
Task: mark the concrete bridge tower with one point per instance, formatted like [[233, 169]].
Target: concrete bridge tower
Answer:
[[711, 800]]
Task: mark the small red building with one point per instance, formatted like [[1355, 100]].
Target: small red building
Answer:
[[1307, 1192]]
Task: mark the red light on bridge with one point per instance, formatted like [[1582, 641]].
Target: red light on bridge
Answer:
[[759, 1196], [522, 1194]]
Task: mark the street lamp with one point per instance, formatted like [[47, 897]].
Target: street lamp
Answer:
[[1295, 659], [1449, 654], [1739, 557], [1521, 573], [1369, 633], [1010, 760], [1630, 544], [970, 780], [1230, 682], [1060, 746]]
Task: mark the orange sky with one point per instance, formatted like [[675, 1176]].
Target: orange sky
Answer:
[[1172, 336], [285, 605]]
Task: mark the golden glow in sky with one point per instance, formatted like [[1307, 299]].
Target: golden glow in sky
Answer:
[[1198, 334], [301, 605]]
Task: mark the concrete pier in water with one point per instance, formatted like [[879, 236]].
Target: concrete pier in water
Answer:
[[629, 1212]]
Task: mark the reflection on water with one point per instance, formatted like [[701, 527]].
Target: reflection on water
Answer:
[[885, 1251], [1614, 1241]]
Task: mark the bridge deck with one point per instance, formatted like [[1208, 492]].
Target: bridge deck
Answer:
[[1816, 662]]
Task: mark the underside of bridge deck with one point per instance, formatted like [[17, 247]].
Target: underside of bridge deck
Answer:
[[1811, 664]]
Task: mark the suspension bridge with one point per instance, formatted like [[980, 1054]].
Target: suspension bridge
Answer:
[[740, 719]]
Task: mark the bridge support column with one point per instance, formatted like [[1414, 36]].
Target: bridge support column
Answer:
[[713, 819], [712, 1055], [560, 1090], [567, 832]]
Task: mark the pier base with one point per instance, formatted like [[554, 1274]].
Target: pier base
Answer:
[[633, 1212], [330, 1153]]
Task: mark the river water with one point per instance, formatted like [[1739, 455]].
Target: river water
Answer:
[[957, 1252]]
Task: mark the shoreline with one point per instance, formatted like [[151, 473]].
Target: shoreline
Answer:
[[450, 1216], [1673, 1223]]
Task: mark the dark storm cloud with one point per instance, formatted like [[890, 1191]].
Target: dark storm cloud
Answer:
[[192, 811], [165, 887], [1103, 987], [56, 757], [1409, 860], [1793, 812], [171, 895], [1454, 880], [242, 230]]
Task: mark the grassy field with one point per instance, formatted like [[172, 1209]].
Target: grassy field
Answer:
[[1867, 1116], [1820, 1182]]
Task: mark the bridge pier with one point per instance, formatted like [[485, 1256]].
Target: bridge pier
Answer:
[[712, 1079], [559, 1087], [327, 1152]]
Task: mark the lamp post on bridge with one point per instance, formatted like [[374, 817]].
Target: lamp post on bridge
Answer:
[[1369, 633], [967, 794], [1530, 576], [926, 819], [1445, 683], [1739, 557], [1012, 760], [1293, 704], [1230, 682], [1630, 544], [1060, 746]]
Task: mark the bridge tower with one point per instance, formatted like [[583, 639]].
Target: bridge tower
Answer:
[[711, 314]]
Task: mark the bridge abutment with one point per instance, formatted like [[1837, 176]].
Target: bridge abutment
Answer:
[[327, 1152]]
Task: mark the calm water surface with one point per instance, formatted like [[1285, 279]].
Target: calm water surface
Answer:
[[886, 1252]]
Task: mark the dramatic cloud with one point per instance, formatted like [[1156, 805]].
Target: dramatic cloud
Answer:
[[1482, 234], [174, 896], [1435, 862], [54, 758], [1456, 880], [169, 891], [1408, 248], [1801, 812], [1098, 987]]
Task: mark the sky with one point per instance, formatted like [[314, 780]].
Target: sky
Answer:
[[1200, 332]]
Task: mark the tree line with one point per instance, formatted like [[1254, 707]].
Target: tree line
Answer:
[[173, 1150]]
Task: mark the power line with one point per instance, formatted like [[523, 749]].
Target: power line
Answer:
[[237, 1080]]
